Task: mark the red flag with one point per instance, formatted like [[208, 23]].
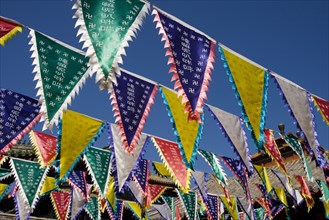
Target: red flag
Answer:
[[305, 192], [177, 213], [323, 107], [154, 192], [61, 202], [8, 29]]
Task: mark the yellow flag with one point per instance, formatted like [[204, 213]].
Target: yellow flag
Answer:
[[326, 207], [48, 185], [262, 172], [2, 188], [281, 195], [110, 193], [188, 132], [78, 131], [251, 85], [136, 209], [161, 169], [231, 206]]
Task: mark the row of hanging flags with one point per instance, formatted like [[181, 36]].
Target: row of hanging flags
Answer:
[[61, 71]]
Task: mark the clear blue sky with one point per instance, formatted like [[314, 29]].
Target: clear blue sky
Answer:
[[288, 37]]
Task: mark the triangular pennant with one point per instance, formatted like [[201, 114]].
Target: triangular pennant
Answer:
[[92, 208], [110, 192], [273, 151], [22, 207], [98, 164], [78, 132], [132, 99], [247, 207], [212, 206], [261, 187], [77, 203], [29, 178], [124, 162], [177, 212], [323, 107], [281, 195], [232, 126], [48, 185], [19, 113], [262, 172], [276, 210], [265, 205], [260, 213], [191, 54], [250, 82], [324, 189], [45, 147], [153, 193], [171, 157], [106, 37], [231, 206], [190, 203], [326, 208], [163, 210], [170, 201], [161, 169], [4, 173], [141, 175], [77, 179], [60, 70], [187, 132], [305, 192], [138, 196], [298, 100], [200, 180], [3, 190], [295, 145], [61, 202], [135, 208], [118, 213], [213, 162], [8, 29]]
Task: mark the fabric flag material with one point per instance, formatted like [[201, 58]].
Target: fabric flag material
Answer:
[[247, 207], [262, 172], [98, 165], [213, 162], [77, 133], [262, 189], [212, 206], [326, 208], [250, 82], [163, 210], [110, 193], [77, 203], [45, 147], [273, 151], [231, 126], [60, 71], [281, 195], [135, 208], [295, 145], [231, 206], [191, 54], [276, 210], [19, 113], [77, 179], [265, 205], [171, 157], [190, 204], [48, 185], [161, 169], [324, 189], [200, 180], [61, 202], [132, 99], [92, 208], [124, 162], [170, 201], [106, 28], [137, 194], [188, 132], [141, 175], [8, 29], [4, 173], [3, 190], [118, 213], [305, 192], [177, 212], [298, 101], [29, 178], [323, 107], [153, 193], [22, 207]]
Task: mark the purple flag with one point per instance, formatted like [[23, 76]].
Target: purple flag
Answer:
[[141, 175], [212, 206], [77, 179]]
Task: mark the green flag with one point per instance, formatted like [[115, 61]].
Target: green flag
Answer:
[[92, 209], [190, 203]]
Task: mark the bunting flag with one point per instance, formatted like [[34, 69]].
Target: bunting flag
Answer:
[[3, 190], [260, 213], [77, 179], [22, 207], [324, 189], [132, 99], [276, 210], [141, 175], [295, 145], [305, 192], [250, 82], [8, 29], [265, 205], [262, 172], [124, 163], [262, 189], [77, 133], [77, 203], [191, 54], [326, 208], [190, 204], [60, 71], [171, 157], [138, 196], [273, 151], [212, 206], [161, 169], [322, 106], [170, 201], [231, 206], [231, 126], [110, 193], [240, 171], [19, 113], [4, 173], [162, 210], [99, 167], [200, 180], [153, 193], [135, 208], [106, 28], [29, 178], [281, 195], [213, 162], [118, 213], [298, 101], [45, 147], [48, 185], [188, 132], [92, 208], [177, 213], [247, 207], [61, 202]]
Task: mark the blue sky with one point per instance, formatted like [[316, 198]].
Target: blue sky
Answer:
[[288, 37]]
